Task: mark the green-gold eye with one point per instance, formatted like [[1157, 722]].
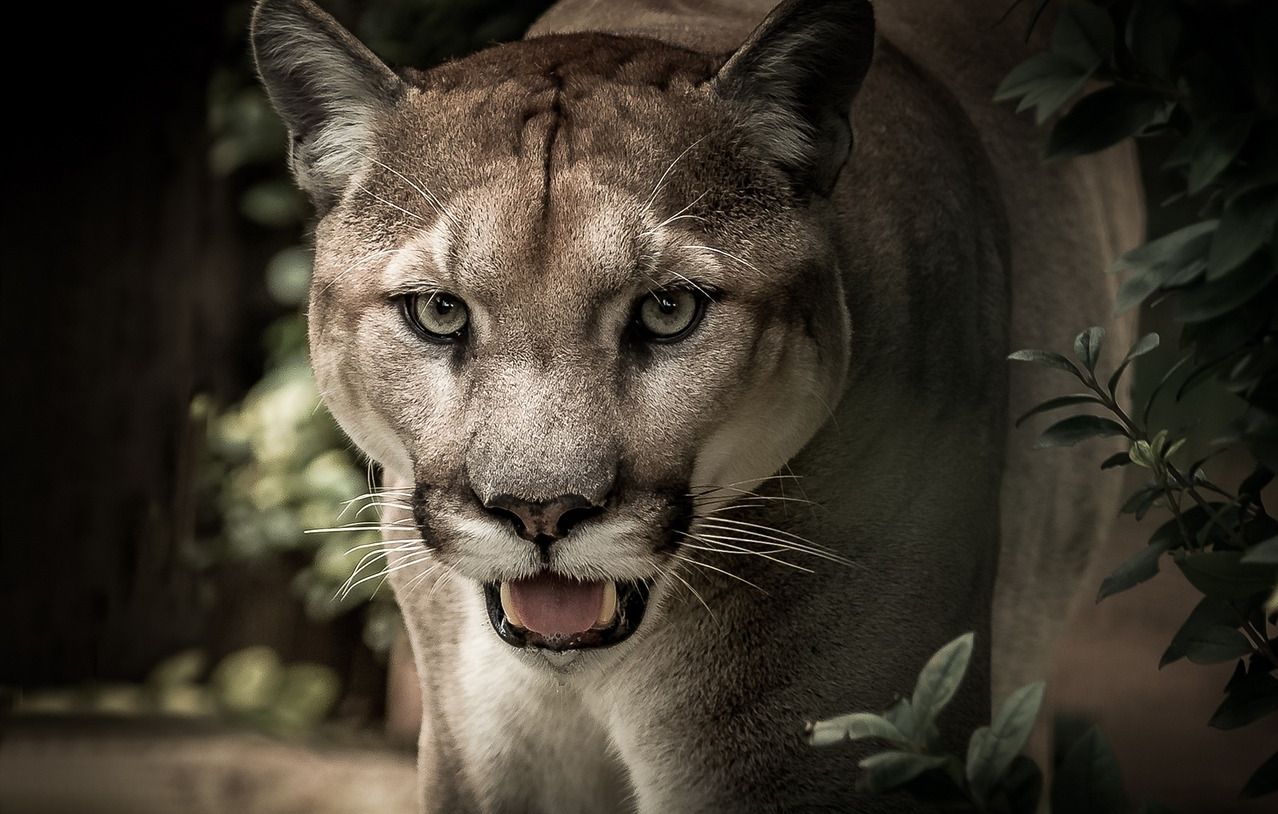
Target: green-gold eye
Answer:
[[436, 315], [668, 316]]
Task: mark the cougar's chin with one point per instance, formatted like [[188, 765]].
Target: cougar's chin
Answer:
[[555, 613]]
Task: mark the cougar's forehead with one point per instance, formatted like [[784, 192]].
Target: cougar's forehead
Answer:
[[536, 168], [555, 101]]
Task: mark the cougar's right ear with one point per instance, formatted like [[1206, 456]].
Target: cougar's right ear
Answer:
[[327, 86], [795, 78]]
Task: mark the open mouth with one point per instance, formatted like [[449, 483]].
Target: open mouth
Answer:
[[558, 613]]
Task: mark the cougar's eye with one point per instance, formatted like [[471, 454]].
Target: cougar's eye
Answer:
[[668, 316], [436, 315]]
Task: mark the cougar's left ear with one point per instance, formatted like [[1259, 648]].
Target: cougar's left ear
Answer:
[[795, 77], [327, 86]]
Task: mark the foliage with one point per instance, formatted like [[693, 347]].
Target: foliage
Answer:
[[1200, 77], [993, 775], [1224, 543], [250, 686]]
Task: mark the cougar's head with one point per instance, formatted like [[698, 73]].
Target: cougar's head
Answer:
[[577, 289]]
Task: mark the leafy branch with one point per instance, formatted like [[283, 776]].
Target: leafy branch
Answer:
[[992, 775], [1226, 549]]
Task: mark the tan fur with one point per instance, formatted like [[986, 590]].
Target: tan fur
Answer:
[[856, 342]]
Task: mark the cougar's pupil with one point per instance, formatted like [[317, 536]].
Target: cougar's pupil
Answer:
[[438, 315], [668, 316]]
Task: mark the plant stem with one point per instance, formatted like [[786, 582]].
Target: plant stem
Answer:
[[1185, 485]]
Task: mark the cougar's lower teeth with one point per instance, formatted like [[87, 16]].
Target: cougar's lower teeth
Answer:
[[608, 607]]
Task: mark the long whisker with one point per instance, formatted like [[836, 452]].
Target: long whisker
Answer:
[[361, 526], [768, 530], [736, 549], [390, 569], [701, 564], [677, 216], [662, 180], [365, 259], [802, 548], [420, 578], [754, 496], [405, 541], [710, 487], [726, 254], [391, 204], [673, 572], [430, 197], [698, 288]]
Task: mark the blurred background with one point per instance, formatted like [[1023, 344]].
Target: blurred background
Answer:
[[164, 614]]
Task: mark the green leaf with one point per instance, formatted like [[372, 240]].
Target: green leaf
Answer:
[[1221, 296], [1212, 645], [1210, 612], [888, 770], [307, 694], [855, 726], [901, 715], [1139, 348], [1083, 34], [1102, 119], [1141, 501], [1088, 780], [1262, 553], [1263, 781], [992, 749], [1222, 574], [1159, 262], [1045, 82], [1247, 223], [1087, 346], [1058, 403], [1249, 696], [1078, 428], [938, 681], [1137, 569], [1039, 70], [248, 680], [1046, 358], [1117, 459], [1215, 149], [1172, 249]]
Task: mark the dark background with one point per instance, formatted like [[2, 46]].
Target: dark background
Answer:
[[133, 283]]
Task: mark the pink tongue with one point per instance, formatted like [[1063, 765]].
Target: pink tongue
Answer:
[[550, 604]]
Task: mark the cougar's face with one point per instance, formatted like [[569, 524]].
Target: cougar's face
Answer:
[[569, 298]]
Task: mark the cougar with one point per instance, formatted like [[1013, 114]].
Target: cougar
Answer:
[[679, 331]]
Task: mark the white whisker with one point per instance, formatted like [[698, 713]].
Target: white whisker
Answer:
[[726, 254], [647, 205], [701, 564]]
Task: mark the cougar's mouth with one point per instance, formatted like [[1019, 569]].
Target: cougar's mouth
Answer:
[[557, 613]]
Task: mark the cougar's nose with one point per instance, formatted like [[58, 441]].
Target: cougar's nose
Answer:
[[546, 521]]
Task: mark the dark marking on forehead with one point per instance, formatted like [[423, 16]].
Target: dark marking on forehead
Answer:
[[519, 97], [557, 124]]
